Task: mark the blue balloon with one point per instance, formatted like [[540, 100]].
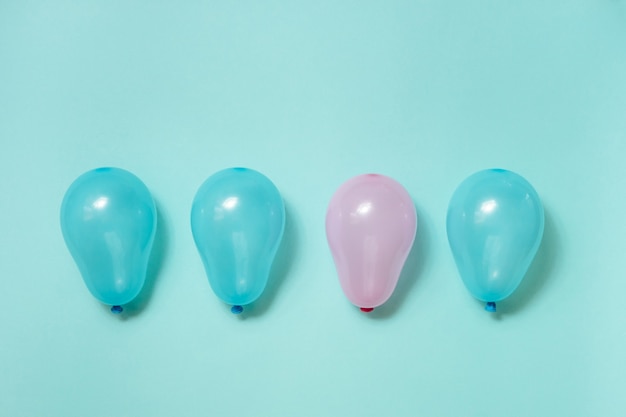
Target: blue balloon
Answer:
[[108, 220], [495, 225], [237, 221]]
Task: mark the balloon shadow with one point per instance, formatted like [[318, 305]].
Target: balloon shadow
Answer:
[[539, 272], [413, 268], [157, 256], [280, 269]]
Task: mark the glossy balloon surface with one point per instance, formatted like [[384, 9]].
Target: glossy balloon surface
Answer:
[[108, 220], [370, 226], [237, 221], [495, 225]]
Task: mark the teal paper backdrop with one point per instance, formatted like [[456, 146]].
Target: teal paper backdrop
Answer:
[[311, 94]]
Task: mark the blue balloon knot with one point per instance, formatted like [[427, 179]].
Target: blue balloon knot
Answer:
[[491, 307], [116, 309], [236, 309]]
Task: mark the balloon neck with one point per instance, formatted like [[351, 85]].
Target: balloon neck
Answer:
[[236, 309], [491, 307], [367, 309], [116, 309]]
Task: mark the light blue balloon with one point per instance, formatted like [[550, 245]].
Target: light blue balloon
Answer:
[[495, 225], [108, 219], [237, 221]]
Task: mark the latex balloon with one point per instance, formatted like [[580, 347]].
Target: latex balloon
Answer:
[[495, 225], [237, 221], [108, 220], [370, 226]]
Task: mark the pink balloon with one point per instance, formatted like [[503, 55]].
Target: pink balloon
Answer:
[[370, 227]]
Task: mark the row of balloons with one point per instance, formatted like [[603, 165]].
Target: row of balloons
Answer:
[[495, 225]]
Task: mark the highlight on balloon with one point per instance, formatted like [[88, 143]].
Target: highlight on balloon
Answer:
[[108, 221], [495, 224], [237, 222], [371, 224]]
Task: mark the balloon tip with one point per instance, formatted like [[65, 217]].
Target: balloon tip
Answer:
[[367, 309], [116, 309], [491, 307], [236, 309]]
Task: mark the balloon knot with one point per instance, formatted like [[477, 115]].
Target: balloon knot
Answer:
[[116, 309], [491, 307], [367, 309], [236, 309]]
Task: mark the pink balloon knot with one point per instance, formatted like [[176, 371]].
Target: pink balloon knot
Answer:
[[367, 309]]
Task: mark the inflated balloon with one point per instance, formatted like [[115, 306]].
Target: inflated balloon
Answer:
[[370, 227], [108, 220], [495, 225], [237, 221]]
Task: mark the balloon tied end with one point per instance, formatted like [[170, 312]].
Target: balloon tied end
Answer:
[[491, 307], [236, 309], [116, 309], [367, 309]]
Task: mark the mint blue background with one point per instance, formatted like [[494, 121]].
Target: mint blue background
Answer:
[[310, 94]]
